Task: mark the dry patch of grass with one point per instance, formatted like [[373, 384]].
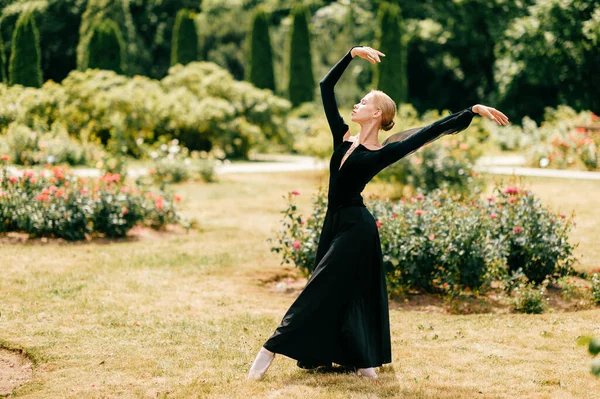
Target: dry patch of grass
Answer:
[[183, 316]]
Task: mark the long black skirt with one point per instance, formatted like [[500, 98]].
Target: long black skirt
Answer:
[[341, 316]]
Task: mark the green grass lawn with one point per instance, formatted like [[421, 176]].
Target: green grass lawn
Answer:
[[182, 315]]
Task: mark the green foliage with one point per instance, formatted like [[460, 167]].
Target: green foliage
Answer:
[[185, 39], [28, 146], [25, 60], [549, 55], [136, 54], [595, 287], [106, 49], [529, 298], [301, 84], [260, 58], [2, 62], [200, 104], [390, 74]]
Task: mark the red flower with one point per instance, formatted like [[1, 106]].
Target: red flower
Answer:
[[159, 202], [394, 215], [13, 179], [177, 198], [562, 216], [59, 193], [419, 212], [511, 190], [580, 130], [493, 216], [378, 223], [295, 192], [490, 199], [296, 245], [5, 158], [517, 229]]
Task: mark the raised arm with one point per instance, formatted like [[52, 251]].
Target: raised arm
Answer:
[[451, 124], [335, 120]]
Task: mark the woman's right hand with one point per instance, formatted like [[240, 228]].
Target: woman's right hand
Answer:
[[368, 53]]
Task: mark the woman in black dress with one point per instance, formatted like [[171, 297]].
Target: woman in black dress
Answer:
[[341, 315]]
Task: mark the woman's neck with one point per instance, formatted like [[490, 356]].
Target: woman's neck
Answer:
[[369, 134]]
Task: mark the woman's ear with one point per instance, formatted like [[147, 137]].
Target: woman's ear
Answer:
[[377, 114]]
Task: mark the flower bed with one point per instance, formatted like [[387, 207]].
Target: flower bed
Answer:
[[54, 203], [442, 243]]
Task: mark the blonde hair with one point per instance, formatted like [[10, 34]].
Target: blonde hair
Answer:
[[387, 107]]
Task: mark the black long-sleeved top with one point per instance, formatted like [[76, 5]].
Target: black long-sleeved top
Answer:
[[363, 164]]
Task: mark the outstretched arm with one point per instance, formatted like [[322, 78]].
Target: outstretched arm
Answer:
[[451, 124], [335, 120]]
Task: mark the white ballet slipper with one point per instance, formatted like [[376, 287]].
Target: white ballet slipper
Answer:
[[369, 373], [261, 364]]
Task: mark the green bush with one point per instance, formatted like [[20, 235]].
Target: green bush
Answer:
[[37, 147], [184, 45], [25, 59], [529, 299], [448, 244], [106, 48]]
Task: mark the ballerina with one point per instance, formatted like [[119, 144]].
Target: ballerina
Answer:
[[341, 316]]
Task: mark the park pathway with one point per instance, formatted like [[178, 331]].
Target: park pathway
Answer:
[[276, 163]]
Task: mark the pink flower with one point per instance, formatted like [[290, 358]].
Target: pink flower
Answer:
[[394, 215], [159, 202], [295, 192], [5, 158], [512, 199], [84, 191], [420, 197], [517, 229], [297, 245], [511, 190], [177, 198], [464, 146], [493, 216], [562, 216], [490, 199], [432, 236], [419, 212], [378, 223], [13, 179]]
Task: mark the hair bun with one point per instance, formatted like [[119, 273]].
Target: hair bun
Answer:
[[389, 125]]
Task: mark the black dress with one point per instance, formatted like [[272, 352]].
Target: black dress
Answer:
[[341, 315]]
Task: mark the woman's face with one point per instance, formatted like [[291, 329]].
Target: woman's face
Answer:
[[364, 110]]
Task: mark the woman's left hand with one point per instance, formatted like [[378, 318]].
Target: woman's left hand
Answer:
[[491, 113]]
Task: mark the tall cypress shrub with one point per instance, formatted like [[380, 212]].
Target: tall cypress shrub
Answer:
[[390, 75], [106, 48], [260, 54], [2, 62], [301, 79], [184, 47], [25, 66]]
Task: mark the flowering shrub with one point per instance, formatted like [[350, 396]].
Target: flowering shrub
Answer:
[[441, 243], [298, 238], [565, 139], [58, 204], [536, 239]]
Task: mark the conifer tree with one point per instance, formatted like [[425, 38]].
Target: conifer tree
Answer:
[[106, 48], [301, 79], [184, 47], [260, 55], [25, 66]]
